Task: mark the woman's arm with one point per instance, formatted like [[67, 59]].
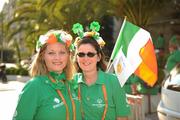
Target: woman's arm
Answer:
[[27, 103], [120, 101]]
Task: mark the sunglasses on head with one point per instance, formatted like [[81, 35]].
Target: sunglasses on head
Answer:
[[89, 54]]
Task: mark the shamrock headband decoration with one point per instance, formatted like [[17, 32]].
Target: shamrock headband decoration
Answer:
[[94, 27], [54, 36]]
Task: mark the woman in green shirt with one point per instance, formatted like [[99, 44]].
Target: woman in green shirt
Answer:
[[49, 95], [100, 93]]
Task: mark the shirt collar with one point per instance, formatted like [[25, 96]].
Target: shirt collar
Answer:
[[57, 77], [58, 84], [100, 79]]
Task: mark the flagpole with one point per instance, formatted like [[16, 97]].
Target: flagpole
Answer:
[[109, 65], [112, 55]]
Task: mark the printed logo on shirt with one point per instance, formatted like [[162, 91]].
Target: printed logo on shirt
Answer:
[[58, 103], [56, 100], [99, 103]]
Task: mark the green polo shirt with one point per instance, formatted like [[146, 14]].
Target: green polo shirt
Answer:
[[40, 101], [92, 97], [172, 60]]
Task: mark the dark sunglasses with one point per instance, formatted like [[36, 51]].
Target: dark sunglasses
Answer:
[[89, 54]]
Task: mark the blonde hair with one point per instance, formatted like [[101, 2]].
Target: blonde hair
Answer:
[[38, 66]]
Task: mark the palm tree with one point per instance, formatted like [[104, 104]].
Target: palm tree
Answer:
[[32, 19], [141, 12], [2, 34], [35, 17], [84, 11]]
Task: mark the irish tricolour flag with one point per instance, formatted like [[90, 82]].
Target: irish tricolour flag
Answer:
[[134, 53]]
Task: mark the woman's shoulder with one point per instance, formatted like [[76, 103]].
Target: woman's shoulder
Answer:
[[107, 75], [108, 78], [111, 81], [36, 80]]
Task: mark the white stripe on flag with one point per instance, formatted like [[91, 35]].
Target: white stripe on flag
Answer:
[[122, 67], [139, 40]]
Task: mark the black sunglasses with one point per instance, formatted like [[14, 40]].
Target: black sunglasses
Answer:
[[89, 54]]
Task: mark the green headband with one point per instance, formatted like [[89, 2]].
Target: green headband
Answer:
[[94, 27]]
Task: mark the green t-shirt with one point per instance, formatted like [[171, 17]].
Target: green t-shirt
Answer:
[[40, 101], [173, 59], [160, 42], [92, 97]]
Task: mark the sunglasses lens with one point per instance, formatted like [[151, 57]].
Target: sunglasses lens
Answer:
[[89, 54], [81, 54]]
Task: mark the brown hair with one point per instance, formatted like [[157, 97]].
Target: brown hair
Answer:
[[90, 40]]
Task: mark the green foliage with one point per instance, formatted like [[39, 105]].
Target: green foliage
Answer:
[[16, 71], [141, 12], [34, 17]]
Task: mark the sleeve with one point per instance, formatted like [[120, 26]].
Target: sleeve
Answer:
[[170, 63], [172, 60], [120, 100], [27, 102]]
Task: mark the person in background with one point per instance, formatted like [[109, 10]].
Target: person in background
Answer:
[[131, 85], [49, 95], [174, 56], [100, 93], [3, 73]]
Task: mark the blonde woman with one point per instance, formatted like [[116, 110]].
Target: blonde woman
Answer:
[[49, 94]]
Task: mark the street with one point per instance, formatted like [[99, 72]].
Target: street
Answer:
[[8, 98]]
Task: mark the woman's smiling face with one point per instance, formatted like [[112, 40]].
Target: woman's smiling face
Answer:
[[87, 57], [56, 57]]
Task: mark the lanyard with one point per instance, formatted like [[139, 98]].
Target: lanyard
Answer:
[[64, 101], [105, 100]]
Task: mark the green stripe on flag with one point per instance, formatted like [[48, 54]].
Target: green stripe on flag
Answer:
[[124, 38]]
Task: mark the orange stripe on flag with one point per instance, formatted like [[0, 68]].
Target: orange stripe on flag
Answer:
[[147, 70]]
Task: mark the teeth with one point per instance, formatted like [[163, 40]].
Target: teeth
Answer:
[[58, 63], [86, 63]]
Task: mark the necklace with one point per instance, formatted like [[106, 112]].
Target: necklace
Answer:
[[105, 100]]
